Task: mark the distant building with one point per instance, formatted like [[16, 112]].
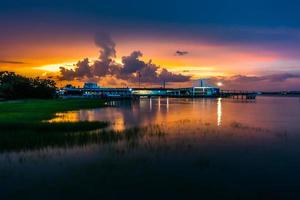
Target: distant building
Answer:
[[91, 85]]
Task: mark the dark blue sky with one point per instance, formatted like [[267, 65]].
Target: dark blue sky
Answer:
[[267, 13], [216, 20]]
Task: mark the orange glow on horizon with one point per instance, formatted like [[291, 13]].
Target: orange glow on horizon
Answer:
[[202, 60]]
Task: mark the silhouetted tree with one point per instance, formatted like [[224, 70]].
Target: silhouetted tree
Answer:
[[69, 86], [14, 86]]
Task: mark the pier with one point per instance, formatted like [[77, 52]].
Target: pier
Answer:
[[128, 93], [92, 90], [238, 94]]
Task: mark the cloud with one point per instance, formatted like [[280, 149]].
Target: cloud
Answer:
[[66, 74], [181, 53], [107, 54], [132, 64], [272, 78], [82, 70], [106, 45], [282, 77], [282, 81], [167, 76], [136, 70], [100, 67], [132, 69], [12, 62]]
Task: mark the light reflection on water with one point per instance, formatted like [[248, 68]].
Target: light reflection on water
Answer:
[[149, 111], [266, 112], [219, 112]]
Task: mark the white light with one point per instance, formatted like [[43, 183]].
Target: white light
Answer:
[[219, 84]]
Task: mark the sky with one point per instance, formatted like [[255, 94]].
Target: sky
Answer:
[[252, 45]]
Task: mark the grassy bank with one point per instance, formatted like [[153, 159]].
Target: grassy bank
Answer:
[[28, 115]]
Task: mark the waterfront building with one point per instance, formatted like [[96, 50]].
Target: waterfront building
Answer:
[[92, 90]]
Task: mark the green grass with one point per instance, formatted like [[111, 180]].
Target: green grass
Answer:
[[28, 115], [38, 110]]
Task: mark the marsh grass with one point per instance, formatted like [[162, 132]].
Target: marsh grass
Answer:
[[63, 135], [41, 127], [151, 160], [154, 138]]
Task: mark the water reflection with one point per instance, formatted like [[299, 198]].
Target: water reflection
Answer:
[[167, 104], [265, 112], [203, 155], [219, 112], [159, 103]]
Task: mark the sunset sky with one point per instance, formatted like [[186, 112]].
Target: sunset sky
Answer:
[[243, 44]]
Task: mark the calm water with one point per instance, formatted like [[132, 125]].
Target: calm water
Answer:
[[266, 112], [211, 149]]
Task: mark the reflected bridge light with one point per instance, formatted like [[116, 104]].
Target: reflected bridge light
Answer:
[[167, 103], [158, 103], [219, 112]]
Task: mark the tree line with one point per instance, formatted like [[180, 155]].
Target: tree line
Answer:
[[14, 86]]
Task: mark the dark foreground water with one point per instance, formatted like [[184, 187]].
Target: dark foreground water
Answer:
[[181, 149]]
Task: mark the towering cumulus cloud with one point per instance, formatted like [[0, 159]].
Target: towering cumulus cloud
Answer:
[[107, 46], [132, 68]]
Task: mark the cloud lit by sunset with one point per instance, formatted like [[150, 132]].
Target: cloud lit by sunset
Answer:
[[193, 43]]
